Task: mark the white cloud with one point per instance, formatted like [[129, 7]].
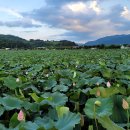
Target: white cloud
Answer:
[[126, 13], [83, 7], [95, 7], [77, 7], [19, 20], [74, 19], [11, 12]]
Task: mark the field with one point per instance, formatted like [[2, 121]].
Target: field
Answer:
[[65, 89]]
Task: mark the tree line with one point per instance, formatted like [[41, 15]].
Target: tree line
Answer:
[[9, 41]]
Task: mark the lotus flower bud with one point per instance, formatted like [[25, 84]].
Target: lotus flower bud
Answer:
[[74, 84], [98, 93], [97, 103], [97, 84], [125, 104], [21, 116], [108, 84], [17, 80]]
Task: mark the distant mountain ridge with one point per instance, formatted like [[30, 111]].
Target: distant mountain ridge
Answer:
[[110, 40], [10, 41]]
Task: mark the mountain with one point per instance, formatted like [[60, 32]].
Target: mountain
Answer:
[[10, 41], [42, 43], [110, 40]]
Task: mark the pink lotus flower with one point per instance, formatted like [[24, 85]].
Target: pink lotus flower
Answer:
[[21, 116], [108, 84]]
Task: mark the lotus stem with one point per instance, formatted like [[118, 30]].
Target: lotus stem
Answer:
[[95, 117], [128, 119]]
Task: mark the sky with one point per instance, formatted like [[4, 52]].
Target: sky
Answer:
[[75, 20]]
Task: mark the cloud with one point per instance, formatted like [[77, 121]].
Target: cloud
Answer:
[[19, 23], [77, 7], [10, 12], [126, 13], [65, 14], [62, 2], [81, 19], [19, 20], [76, 16], [94, 5]]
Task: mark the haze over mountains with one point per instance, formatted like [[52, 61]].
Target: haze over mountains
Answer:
[[110, 40]]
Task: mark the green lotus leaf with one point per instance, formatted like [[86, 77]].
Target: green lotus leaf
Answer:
[[14, 121], [54, 99], [49, 84], [96, 80], [68, 121], [107, 73], [35, 97], [61, 88], [34, 107], [66, 81], [107, 92], [90, 127], [2, 127], [104, 109], [11, 83], [109, 124], [28, 126], [61, 111], [11, 103], [45, 123], [118, 113], [2, 109]]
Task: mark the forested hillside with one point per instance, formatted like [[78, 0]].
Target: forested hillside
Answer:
[[10, 41]]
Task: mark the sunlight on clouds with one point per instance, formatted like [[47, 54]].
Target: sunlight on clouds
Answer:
[[82, 7], [94, 6], [77, 7], [126, 13], [67, 19]]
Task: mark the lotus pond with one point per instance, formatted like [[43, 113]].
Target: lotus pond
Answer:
[[65, 90]]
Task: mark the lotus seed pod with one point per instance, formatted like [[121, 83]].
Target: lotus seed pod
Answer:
[[98, 93], [125, 104], [97, 103]]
